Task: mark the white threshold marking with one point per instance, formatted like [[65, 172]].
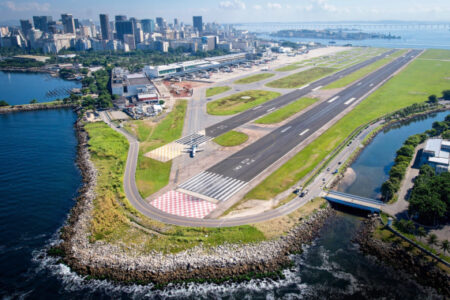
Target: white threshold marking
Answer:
[[371, 84], [315, 89], [359, 83], [255, 108], [304, 131], [300, 88], [271, 109], [286, 129], [333, 99], [349, 101]]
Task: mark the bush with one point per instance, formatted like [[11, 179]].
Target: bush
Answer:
[[446, 94], [3, 103], [432, 99]]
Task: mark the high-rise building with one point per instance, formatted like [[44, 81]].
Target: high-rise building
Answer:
[[41, 22], [148, 25], [104, 26], [161, 23], [198, 23], [26, 26], [68, 23], [120, 18], [124, 27], [175, 23], [130, 41]]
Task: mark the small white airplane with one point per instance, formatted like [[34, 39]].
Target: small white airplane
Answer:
[[193, 150]]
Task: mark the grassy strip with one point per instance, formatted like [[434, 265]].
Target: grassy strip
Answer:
[[286, 111], [151, 174], [113, 215], [231, 138], [217, 90], [364, 71], [436, 54], [289, 68], [239, 102], [299, 79], [254, 78], [420, 78]]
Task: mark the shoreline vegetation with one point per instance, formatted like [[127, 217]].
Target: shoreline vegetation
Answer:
[[224, 261]]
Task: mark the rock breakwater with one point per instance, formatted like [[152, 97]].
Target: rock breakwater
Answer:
[[103, 260]]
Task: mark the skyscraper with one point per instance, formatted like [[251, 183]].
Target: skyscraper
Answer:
[[148, 25], [161, 23], [26, 26], [104, 26], [120, 18], [68, 23], [41, 22], [124, 27], [198, 23]]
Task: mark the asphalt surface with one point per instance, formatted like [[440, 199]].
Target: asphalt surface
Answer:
[[227, 177], [256, 112], [148, 210]]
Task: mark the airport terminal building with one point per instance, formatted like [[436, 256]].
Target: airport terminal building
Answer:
[[194, 65]]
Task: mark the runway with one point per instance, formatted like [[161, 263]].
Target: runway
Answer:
[[246, 164]]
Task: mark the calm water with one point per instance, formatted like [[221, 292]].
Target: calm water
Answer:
[[39, 180], [21, 88], [373, 165], [413, 37]]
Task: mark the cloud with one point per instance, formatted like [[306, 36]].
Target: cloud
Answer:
[[235, 4], [322, 6], [271, 5], [257, 7], [26, 6]]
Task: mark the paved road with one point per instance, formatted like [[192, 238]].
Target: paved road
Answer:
[[251, 114], [227, 177], [148, 210]]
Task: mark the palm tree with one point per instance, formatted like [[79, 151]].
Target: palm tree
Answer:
[[445, 246], [432, 239], [421, 232]]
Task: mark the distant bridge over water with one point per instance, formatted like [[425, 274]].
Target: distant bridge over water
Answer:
[[354, 201]]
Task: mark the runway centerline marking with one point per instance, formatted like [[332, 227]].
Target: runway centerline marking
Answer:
[[333, 99], [304, 131], [315, 89], [285, 129], [305, 86], [349, 101]]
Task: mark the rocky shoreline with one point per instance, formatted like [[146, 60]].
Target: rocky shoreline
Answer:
[[32, 107], [228, 261], [395, 255]]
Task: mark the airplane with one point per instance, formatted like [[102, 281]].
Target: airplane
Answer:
[[193, 150]]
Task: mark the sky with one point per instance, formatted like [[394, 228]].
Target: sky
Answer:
[[235, 11]]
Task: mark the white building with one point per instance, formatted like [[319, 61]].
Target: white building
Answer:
[[437, 154]]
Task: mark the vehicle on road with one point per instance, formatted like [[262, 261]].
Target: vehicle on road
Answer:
[[304, 193], [335, 171]]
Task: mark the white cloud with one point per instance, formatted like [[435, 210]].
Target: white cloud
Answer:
[[322, 6], [257, 7], [26, 6], [271, 5], [235, 4]]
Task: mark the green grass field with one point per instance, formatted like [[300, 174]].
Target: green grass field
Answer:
[[286, 111], [112, 214], [151, 174], [239, 102], [344, 81], [231, 138], [299, 79], [289, 68], [436, 54], [254, 78], [418, 80], [217, 90]]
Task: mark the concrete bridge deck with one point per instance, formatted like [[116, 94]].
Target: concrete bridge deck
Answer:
[[354, 201]]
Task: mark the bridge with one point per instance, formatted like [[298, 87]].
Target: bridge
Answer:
[[354, 201]]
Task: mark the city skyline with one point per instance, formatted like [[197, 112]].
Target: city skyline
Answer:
[[237, 11]]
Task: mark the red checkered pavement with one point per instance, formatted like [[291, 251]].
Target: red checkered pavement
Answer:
[[180, 204]]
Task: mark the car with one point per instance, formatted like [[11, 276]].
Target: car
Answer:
[[336, 171], [323, 179], [304, 193], [328, 169]]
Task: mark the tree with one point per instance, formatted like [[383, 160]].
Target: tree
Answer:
[[445, 246], [432, 99], [421, 232], [432, 239], [406, 150], [33, 101], [427, 170], [3, 103], [388, 189], [446, 94]]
